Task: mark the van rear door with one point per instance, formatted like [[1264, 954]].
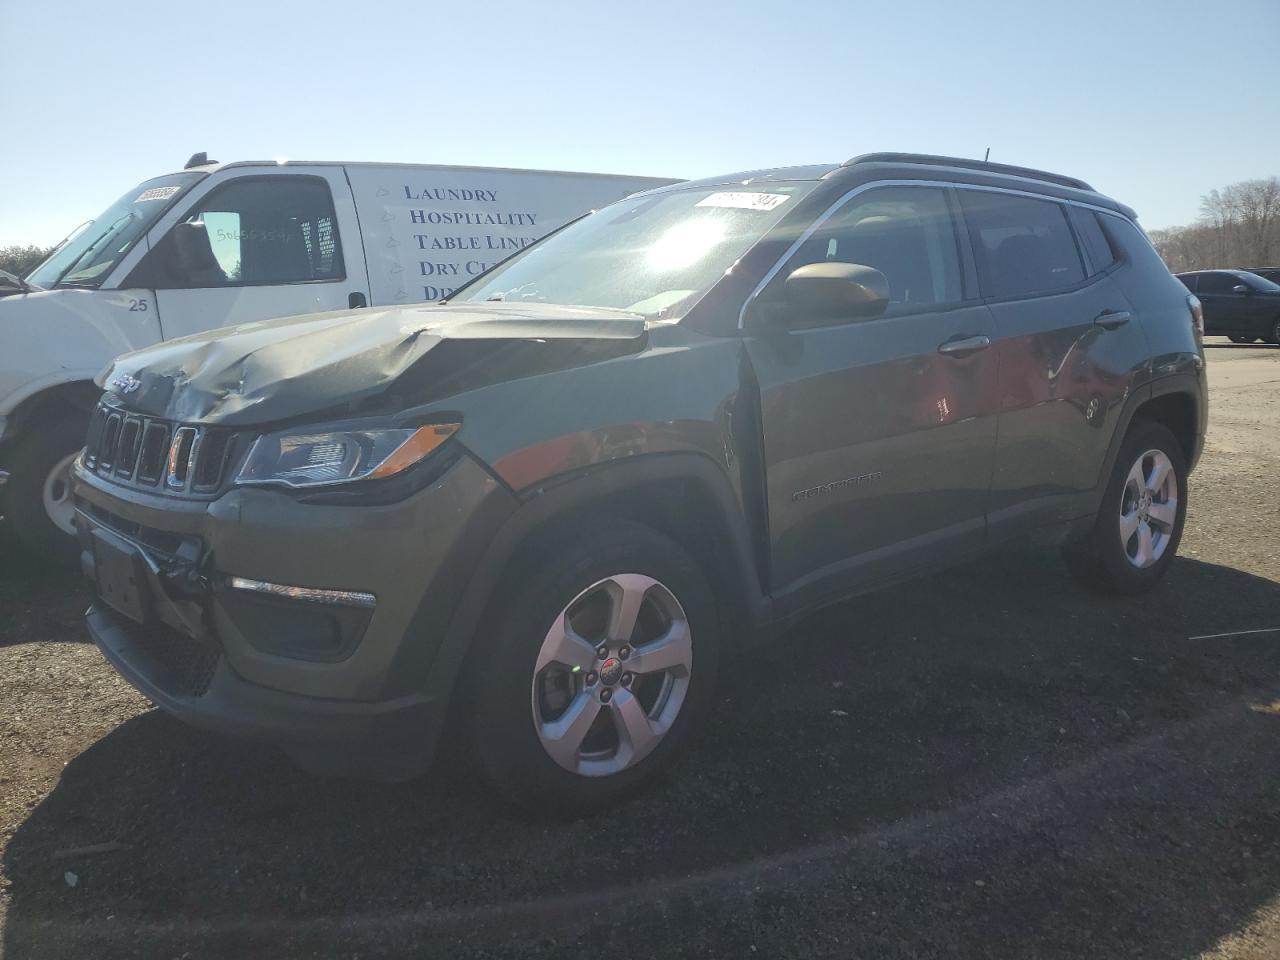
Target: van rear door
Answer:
[[251, 243]]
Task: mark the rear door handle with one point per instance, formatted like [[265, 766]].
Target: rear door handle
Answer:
[[964, 346], [1111, 319]]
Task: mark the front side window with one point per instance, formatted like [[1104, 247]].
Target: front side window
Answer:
[[1218, 283], [254, 231], [654, 255], [907, 233], [90, 255], [1025, 243]]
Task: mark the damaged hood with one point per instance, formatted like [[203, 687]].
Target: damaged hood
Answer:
[[277, 369]]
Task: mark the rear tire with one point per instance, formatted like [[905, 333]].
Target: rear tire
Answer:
[[1237, 338], [38, 509], [570, 740], [1139, 524], [1275, 333]]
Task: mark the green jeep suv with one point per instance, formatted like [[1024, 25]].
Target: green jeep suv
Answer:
[[539, 515]]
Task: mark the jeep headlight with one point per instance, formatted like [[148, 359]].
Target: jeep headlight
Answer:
[[312, 457]]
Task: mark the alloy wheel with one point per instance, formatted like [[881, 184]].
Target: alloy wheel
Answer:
[[1148, 509], [612, 675]]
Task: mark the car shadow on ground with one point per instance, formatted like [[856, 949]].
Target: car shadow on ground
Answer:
[[988, 761], [39, 601]]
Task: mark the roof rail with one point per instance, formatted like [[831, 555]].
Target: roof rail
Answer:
[[937, 161]]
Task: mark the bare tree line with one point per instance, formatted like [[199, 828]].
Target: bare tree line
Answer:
[[1239, 227]]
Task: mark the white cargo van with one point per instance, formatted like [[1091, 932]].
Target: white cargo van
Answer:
[[219, 244]]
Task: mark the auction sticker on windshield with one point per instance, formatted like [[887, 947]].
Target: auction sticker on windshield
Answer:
[[745, 200], [156, 193]]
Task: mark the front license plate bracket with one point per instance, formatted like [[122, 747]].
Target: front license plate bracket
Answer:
[[122, 581]]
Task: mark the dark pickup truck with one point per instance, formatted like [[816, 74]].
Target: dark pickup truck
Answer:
[[541, 515]]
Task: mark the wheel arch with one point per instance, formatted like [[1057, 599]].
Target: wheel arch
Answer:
[[1177, 402], [1177, 411], [74, 396], [683, 495]]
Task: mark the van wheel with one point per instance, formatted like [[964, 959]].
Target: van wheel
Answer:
[[1139, 525], [592, 675], [38, 508]]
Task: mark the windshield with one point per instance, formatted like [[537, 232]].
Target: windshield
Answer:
[[89, 256], [653, 255]]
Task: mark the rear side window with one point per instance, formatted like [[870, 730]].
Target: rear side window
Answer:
[[1092, 238], [1189, 281], [1025, 244], [254, 231]]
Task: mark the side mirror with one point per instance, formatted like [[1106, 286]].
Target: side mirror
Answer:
[[1242, 288], [190, 247], [831, 292]]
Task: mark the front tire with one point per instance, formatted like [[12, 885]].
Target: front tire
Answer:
[[38, 508], [593, 673], [1139, 524]]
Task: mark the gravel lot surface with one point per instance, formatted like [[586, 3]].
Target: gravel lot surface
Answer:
[[991, 762]]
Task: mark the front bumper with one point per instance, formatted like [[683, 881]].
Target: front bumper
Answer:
[[369, 702], [384, 739]]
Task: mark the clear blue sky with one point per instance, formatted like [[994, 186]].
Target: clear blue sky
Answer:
[[1154, 103]]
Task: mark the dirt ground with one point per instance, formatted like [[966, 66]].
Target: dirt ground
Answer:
[[988, 763]]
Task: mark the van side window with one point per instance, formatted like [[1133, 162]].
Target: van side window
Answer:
[[1025, 244], [1092, 238], [1189, 281], [254, 231], [907, 233]]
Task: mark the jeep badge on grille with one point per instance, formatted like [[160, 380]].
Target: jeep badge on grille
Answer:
[[125, 383]]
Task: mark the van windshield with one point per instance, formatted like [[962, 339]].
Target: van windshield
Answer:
[[86, 259], [654, 255]]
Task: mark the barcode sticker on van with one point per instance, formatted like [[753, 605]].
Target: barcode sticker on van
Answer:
[[156, 193], [745, 201]]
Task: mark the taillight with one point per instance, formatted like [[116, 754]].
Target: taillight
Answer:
[[1197, 316]]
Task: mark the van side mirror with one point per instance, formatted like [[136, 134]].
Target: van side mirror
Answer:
[[1242, 288], [831, 292], [190, 247]]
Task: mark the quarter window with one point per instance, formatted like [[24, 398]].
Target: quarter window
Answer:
[[1025, 244], [907, 233], [255, 231], [1092, 238]]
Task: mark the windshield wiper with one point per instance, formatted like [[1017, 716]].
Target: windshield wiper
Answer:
[[8, 279], [93, 248]]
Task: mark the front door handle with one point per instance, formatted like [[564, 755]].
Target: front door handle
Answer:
[[1111, 319], [356, 300], [964, 346]]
